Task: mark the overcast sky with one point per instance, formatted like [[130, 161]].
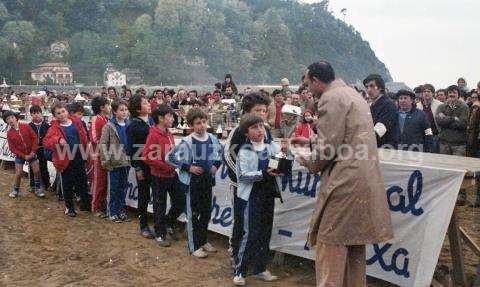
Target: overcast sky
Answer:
[[419, 41]]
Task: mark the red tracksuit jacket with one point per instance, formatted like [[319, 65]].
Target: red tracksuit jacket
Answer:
[[96, 125], [23, 141], [158, 144], [55, 133]]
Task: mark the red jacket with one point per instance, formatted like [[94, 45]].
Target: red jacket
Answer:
[[55, 133], [304, 130], [23, 141], [96, 125], [153, 103], [158, 144]]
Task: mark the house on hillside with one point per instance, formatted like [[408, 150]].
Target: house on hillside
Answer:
[[59, 73]]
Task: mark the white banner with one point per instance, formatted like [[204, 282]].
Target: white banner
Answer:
[[5, 153], [421, 200]]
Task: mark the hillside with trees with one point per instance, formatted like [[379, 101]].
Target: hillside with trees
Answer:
[[171, 42]]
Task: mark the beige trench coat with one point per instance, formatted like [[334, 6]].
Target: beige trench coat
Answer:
[[351, 207]]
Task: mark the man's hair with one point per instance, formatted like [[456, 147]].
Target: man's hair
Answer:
[[161, 111], [75, 108], [35, 109], [441, 91], [117, 103], [56, 106], [405, 93], [97, 103], [217, 92], [112, 88], [135, 104], [194, 114], [321, 70], [253, 99], [7, 114], [276, 92], [247, 121], [428, 87], [379, 82], [453, 88]]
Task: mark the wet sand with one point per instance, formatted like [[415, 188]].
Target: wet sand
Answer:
[[40, 246]]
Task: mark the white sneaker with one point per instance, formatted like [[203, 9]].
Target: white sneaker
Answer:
[[266, 276], [39, 193], [14, 193], [238, 280], [200, 253], [209, 248]]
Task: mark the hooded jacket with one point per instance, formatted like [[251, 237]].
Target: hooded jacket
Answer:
[[112, 153], [55, 133], [158, 144], [23, 141]]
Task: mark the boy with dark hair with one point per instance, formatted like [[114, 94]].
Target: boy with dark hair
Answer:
[[198, 157], [113, 144], [165, 179], [78, 109], [67, 140], [23, 143], [137, 132], [257, 104], [40, 127], [101, 110], [256, 199]]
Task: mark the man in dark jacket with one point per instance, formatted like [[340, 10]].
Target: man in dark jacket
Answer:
[[452, 118], [384, 112], [415, 131]]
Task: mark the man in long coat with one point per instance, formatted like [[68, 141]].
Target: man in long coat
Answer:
[[351, 209]]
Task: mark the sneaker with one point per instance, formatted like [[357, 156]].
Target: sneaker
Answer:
[[239, 280], [173, 233], [209, 248], [124, 217], [31, 189], [115, 218], [200, 253], [70, 212], [39, 193], [266, 276], [146, 233], [100, 214], [15, 193], [162, 241]]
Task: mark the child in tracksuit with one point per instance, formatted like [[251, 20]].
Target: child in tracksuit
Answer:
[[40, 127], [165, 179], [67, 140], [101, 109], [256, 193], [23, 143], [198, 157], [137, 132], [113, 144]]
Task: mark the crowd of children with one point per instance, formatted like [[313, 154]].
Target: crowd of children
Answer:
[[124, 135]]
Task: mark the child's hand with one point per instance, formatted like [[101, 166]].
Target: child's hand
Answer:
[[62, 142], [195, 170], [28, 157], [273, 172], [300, 140], [213, 170]]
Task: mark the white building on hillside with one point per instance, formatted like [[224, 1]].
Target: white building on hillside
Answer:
[[59, 73], [114, 78]]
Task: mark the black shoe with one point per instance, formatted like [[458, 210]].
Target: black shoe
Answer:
[[162, 241], [70, 212], [172, 232], [124, 217], [146, 233]]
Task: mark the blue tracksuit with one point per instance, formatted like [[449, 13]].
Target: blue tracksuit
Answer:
[[255, 203]]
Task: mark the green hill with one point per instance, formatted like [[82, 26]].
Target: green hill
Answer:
[[258, 41]]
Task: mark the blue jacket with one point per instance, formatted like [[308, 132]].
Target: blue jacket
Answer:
[[385, 113], [247, 168], [41, 132], [181, 157], [416, 132]]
